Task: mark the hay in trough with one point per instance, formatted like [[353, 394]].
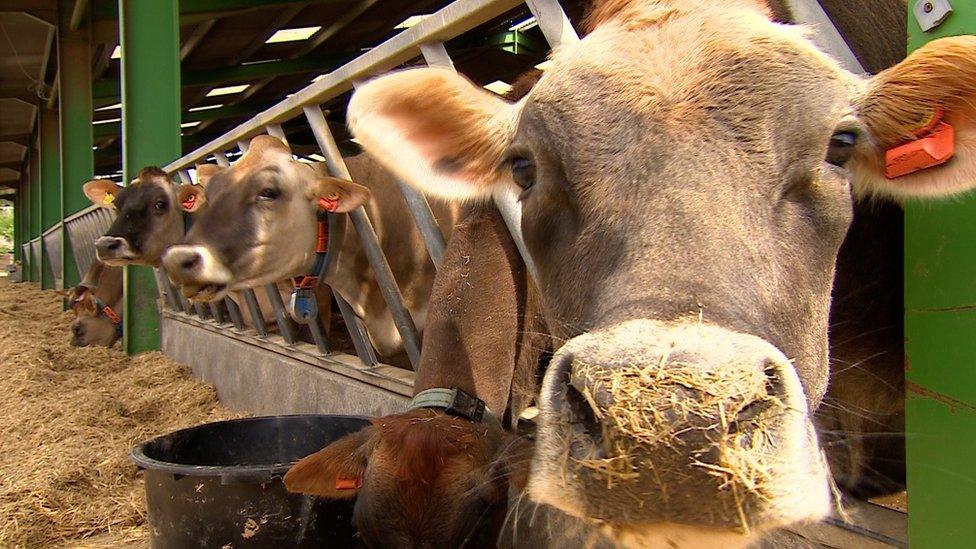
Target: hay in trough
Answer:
[[68, 418]]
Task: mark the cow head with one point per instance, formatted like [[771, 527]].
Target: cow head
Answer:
[[420, 479], [685, 176], [259, 222], [149, 218], [90, 327]]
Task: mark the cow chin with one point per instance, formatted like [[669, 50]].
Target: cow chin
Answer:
[[677, 434]]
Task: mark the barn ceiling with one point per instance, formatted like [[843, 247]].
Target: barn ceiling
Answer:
[[225, 43]]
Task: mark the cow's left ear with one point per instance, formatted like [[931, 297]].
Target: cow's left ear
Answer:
[[435, 130], [102, 192], [337, 470], [80, 300], [921, 117], [205, 173], [338, 195], [191, 197]]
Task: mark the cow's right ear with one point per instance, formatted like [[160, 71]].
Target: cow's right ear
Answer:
[[191, 197], [931, 94], [205, 173], [435, 130], [336, 471], [102, 192]]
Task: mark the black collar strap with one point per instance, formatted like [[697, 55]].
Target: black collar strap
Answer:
[[456, 403]]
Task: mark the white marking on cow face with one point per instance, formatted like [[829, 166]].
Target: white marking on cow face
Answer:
[[202, 276]]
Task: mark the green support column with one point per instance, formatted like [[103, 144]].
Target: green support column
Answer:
[[25, 219], [75, 99], [36, 191], [18, 220], [940, 365], [150, 38], [50, 186]]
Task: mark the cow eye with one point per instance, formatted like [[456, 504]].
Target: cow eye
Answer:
[[523, 172], [841, 148], [269, 193], [160, 205]]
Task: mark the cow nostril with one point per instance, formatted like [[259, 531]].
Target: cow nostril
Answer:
[[78, 331], [114, 245], [190, 262], [582, 413]]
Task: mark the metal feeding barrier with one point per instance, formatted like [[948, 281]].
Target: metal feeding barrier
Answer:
[[422, 40], [52, 248], [83, 230], [35, 257]]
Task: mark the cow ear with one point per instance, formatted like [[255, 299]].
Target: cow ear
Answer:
[[205, 172], [102, 192], [435, 130], [933, 87], [191, 197], [336, 471], [338, 195], [82, 302]]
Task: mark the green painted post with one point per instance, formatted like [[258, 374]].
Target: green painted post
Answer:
[[50, 186], [36, 191], [150, 38], [75, 99], [940, 367], [24, 207], [18, 220]]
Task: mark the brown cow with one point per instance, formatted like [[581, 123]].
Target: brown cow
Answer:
[[429, 479], [864, 403], [678, 408], [259, 225], [151, 219], [97, 305]]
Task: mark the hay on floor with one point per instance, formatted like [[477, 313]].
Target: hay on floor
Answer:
[[68, 418]]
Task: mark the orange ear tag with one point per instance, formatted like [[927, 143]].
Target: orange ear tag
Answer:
[[348, 483], [934, 146]]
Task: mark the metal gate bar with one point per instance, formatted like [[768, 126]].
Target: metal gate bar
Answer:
[[425, 38]]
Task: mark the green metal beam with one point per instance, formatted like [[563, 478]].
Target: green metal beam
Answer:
[[940, 408], [79, 13], [35, 197], [207, 8], [50, 186], [229, 111], [75, 97], [108, 88], [19, 221], [150, 38], [23, 214]]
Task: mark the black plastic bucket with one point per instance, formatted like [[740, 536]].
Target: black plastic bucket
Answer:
[[219, 485]]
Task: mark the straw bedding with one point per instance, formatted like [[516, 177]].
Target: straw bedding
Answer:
[[68, 418]]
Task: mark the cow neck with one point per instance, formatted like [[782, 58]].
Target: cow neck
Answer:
[[472, 338], [311, 280], [456, 402], [101, 307]]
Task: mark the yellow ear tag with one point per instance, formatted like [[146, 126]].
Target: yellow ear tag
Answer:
[[108, 199]]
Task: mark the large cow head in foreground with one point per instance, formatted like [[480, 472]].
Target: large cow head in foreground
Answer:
[[254, 231], [685, 176]]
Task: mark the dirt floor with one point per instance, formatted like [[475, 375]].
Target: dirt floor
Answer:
[[68, 418]]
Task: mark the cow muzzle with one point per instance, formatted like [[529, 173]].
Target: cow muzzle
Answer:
[[652, 428], [200, 274], [114, 250]]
